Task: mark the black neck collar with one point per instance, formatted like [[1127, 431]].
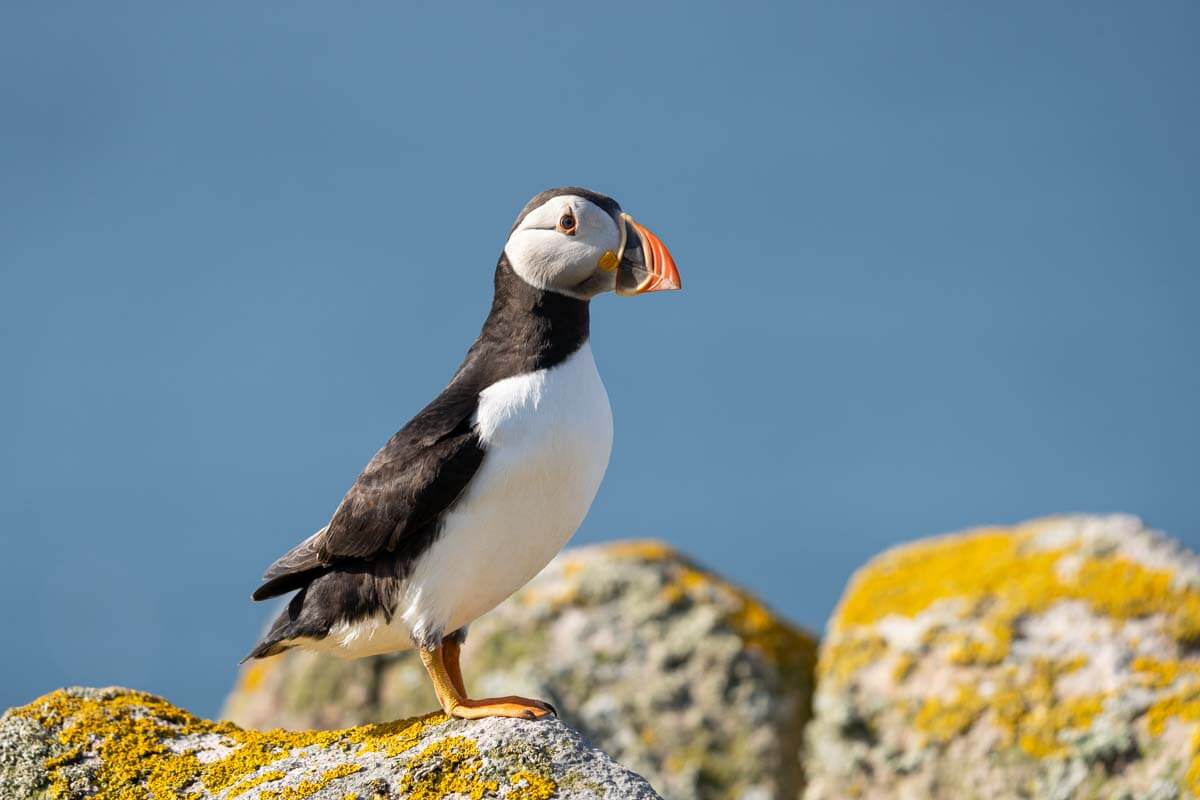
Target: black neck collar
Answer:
[[527, 328]]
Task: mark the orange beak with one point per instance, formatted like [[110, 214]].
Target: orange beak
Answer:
[[646, 265]]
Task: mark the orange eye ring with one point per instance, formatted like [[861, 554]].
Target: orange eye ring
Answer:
[[566, 223]]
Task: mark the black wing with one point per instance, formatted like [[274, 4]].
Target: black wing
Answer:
[[395, 505]]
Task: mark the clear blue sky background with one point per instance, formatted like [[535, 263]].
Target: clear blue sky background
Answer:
[[941, 265]]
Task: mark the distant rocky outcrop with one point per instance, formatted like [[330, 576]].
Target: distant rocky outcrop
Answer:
[[1057, 659], [676, 673], [115, 744]]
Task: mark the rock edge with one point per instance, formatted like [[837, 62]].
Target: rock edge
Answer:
[[118, 743]]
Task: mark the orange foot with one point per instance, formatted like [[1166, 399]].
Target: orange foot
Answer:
[[518, 707]]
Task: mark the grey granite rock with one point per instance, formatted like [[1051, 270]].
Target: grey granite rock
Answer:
[[115, 743], [676, 673], [1056, 659]]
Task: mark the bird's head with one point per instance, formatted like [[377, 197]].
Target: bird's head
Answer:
[[580, 243]]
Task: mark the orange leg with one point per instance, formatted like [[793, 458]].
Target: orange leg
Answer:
[[451, 648], [456, 703]]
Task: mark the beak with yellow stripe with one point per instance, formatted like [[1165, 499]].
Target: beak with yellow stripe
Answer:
[[643, 263]]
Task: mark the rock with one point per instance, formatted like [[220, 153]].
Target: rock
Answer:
[[117, 744], [676, 673], [1056, 659]]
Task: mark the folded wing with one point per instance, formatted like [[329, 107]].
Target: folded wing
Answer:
[[395, 506]]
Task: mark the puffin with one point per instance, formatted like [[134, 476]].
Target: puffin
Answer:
[[484, 486]]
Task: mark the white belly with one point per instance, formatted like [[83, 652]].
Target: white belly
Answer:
[[548, 436]]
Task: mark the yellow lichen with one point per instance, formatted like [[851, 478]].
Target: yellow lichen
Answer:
[[781, 644], [1158, 674], [991, 648], [999, 576], [129, 734], [1027, 711], [760, 629], [903, 666], [1042, 729], [529, 785], [757, 626], [985, 586], [1016, 577], [1183, 705], [256, 780], [992, 579], [446, 767], [130, 746], [1192, 776], [307, 787], [1182, 702], [842, 658], [640, 550], [942, 720]]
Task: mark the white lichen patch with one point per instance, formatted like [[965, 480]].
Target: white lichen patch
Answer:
[[908, 634]]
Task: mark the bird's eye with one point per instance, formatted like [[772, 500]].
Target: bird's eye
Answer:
[[566, 224]]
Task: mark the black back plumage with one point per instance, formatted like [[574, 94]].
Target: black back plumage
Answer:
[[393, 512]]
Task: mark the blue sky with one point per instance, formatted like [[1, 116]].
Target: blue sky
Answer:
[[941, 266]]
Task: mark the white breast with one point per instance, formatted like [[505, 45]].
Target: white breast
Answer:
[[548, 436]]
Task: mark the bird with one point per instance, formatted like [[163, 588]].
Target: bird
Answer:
[[482, 488]]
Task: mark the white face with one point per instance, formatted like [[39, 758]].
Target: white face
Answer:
[[558, 246]]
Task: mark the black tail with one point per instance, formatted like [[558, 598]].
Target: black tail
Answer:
[[295, 568], [265, 649], [292, 623], [288, 582]]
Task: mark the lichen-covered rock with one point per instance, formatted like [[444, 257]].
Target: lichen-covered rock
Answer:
[[1057, 659], [116, 744], [674, 672]]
